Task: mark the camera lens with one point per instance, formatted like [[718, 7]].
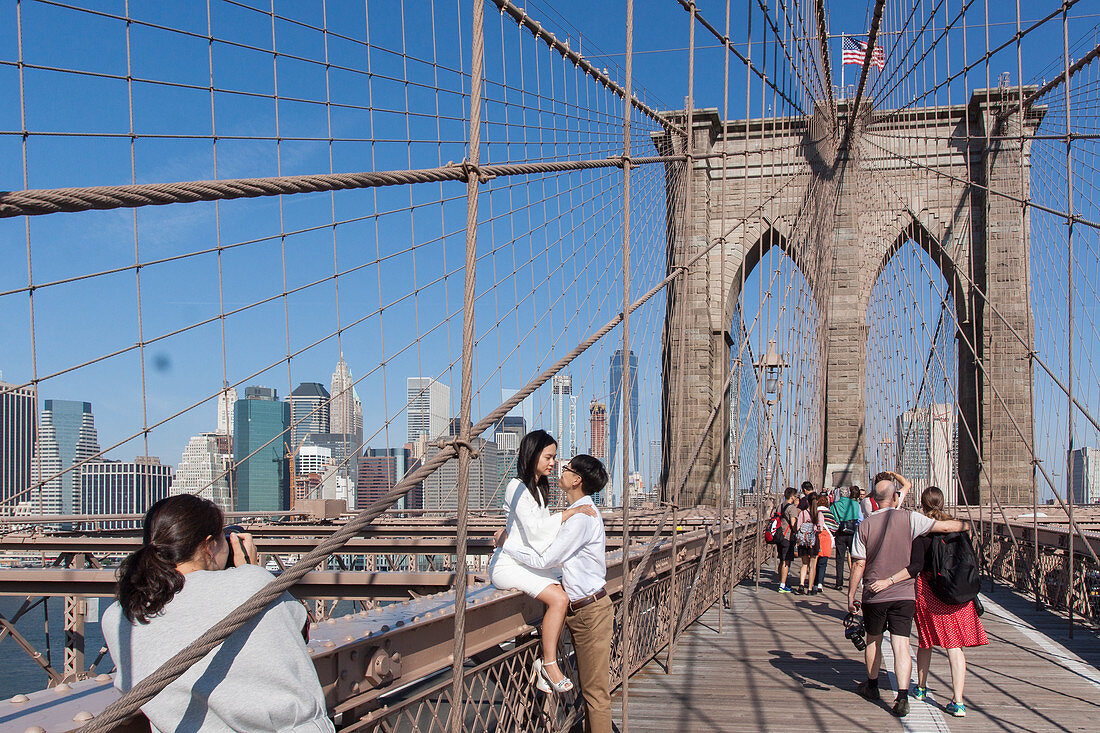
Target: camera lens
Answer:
[[231, 529]]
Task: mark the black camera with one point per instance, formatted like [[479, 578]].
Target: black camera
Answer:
[[230, 530], [854, 632]]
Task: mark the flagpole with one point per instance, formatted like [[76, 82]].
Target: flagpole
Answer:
[[842, 65]]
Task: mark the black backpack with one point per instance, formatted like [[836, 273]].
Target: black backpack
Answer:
[[955, 577]]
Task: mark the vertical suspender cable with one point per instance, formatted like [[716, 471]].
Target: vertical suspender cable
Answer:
[[757, 547], [1069, 310], [724, 489], [689, 167], [477, 65], [987, 207], [624, 395], [1030, 318]]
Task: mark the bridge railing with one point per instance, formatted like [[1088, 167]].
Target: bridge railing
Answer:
[[1036, 561], [389, 667], [499, 692]]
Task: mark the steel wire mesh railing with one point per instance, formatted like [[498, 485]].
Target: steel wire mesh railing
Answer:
[[498, 693]]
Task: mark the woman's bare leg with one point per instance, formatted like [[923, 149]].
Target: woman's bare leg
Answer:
[[957, 660], [557, 603], [924, 661]]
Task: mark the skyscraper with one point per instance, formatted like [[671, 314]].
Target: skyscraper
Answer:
[[615, 428], [263, 479], [66, 438], [226, 399], [117, 487], [346, 413], [1086, 475], [343, 448], [205, 469], [509, 432], [429, 411], [379, 471], [486, 481], [18, 427], [564, 418], [927, 443], [309, 411], [313, 459], [597, 429]]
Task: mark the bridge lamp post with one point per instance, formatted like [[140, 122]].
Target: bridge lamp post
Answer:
[[770, 369]]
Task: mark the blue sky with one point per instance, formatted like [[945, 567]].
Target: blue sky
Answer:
[[396, 102]]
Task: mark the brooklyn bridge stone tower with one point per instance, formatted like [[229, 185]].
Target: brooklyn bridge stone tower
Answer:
[[841, 208]]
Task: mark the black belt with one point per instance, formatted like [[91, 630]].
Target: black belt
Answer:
[[580, 603]]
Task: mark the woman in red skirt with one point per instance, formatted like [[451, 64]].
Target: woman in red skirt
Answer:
[[946, 625]]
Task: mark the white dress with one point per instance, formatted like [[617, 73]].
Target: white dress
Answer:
[[536, 528]]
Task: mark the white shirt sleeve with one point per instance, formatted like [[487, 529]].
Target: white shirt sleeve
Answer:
[[919, 524], [534, 526], [570, 539]]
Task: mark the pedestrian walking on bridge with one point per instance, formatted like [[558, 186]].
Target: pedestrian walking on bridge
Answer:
[[882, 547]]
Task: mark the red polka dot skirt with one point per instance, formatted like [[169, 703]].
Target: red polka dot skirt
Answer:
[[945, 625]]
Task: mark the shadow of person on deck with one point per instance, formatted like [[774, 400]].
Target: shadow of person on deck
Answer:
[[817, 671], [823, 608]]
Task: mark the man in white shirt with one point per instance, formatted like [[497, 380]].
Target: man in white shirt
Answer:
[[581, 550]]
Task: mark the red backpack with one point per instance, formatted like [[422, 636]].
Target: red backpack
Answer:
[[773, 532]]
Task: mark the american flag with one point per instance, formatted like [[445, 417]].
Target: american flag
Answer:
[[854, 52]]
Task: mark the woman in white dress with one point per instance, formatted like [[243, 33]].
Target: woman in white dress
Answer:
[[528, 518]]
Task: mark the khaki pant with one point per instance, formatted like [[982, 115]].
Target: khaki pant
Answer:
[[591, 628]]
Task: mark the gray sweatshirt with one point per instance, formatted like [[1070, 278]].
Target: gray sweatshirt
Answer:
[[259, 679]]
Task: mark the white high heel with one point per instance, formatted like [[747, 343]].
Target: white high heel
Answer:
[[539, 683], [544, 683]]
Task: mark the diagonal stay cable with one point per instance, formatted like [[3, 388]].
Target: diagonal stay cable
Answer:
[[520, 16], [687, 5]]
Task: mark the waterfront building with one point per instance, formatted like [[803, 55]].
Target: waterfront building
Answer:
[[309, 412], [1086, 475], [597, 430], [343, 447], [429, 410], [379, 471], [18, 428], [486, 482], [615, 458], [66, 439], [119, 487], [927, 446], [564, 418], [261, 444], [226, 399], [346, 411], [206, 469]]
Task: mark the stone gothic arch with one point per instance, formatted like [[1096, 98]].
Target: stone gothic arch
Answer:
[[920, 174]]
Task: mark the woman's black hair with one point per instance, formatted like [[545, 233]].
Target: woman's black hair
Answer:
[[174, 530], [530, 448]]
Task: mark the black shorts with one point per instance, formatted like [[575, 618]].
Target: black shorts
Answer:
[[786, 550], [895, 616]]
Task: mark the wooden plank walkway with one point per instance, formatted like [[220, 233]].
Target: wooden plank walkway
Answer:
[[782, 664]]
